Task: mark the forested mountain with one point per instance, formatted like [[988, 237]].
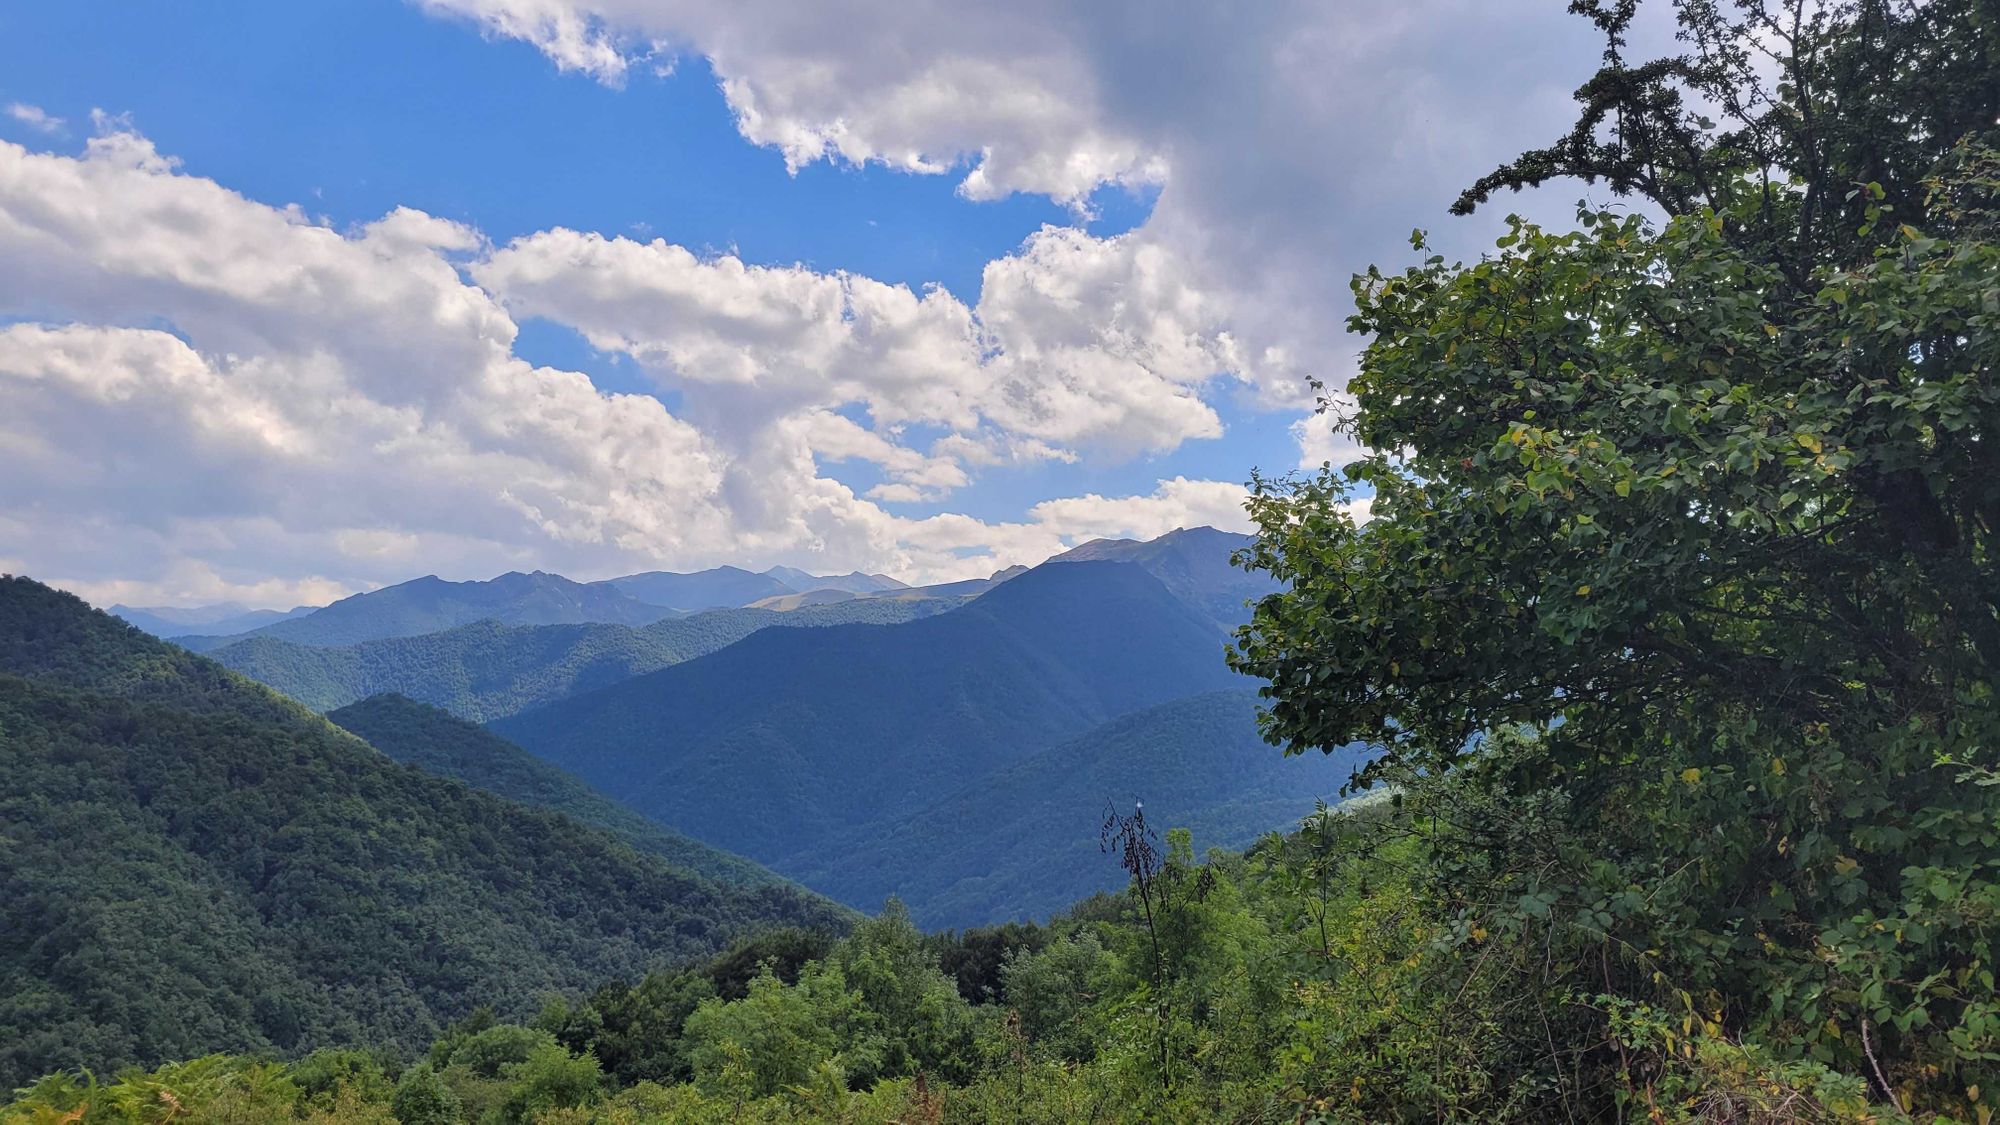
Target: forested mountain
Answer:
[[778, 743], [1022, 842], [439, 742], [428, 604], [488, 670], [220, 620], [1194, 563], [191, 862]]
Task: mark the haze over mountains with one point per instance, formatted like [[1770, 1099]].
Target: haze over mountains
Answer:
[[961, 742], [430, 603], [488, 670], [793, 734], [223, 618]]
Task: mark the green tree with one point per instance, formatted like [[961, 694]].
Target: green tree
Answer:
[[551, 1078], [422, 1098], [1699, 517], [778, 1035], [925, 1024], [1055, 990]]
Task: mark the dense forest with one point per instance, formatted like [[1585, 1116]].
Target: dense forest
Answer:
[[1022, 843], [438, 742], [192, 862], [1675, 637]]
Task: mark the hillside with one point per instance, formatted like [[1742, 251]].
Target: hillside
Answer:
[[439, 742], [193, 863], [429, 604], [1193, 562], [487, 670], [776, 744], [1022, 842], [784, 603]]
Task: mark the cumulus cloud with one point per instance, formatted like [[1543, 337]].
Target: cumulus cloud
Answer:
[[34, 117], [204, 396], [1321, 439], [1176, 503], [1075, 340], [1294, 142]]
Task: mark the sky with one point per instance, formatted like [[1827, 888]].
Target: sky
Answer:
[[302, 299]]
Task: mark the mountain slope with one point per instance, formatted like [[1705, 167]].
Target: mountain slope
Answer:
[[774, 744], [429, 604], [721, 588], [1193, 562], [853, 582], [488, 670], [1022, 842], [785, 603], [192, 863], [439, 742]]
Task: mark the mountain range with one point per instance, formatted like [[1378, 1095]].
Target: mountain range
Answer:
[[778, 743], [955, 745], [487, 670], [428, 604], [222, 618]]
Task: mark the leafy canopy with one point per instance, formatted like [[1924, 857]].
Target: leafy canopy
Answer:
[[1708, 508]]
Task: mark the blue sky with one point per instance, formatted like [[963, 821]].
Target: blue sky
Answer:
[[351, 108], [1125, 378]]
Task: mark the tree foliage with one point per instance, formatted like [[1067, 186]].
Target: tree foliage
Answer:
[[1681, 558]]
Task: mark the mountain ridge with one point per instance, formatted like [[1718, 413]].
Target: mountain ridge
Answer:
[[430, 604], [487, 670], [791, 734]]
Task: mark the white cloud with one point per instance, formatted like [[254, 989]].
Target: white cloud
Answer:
[[1322, 442], [1176, 503], [1075, 340], [202, 397], [1295, 142], [34, 117]]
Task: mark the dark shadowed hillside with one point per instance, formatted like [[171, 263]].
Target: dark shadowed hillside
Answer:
[[1022, 842], [487, 670], [773, 745], [1193, 562], [441, 743], [192, 863]]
